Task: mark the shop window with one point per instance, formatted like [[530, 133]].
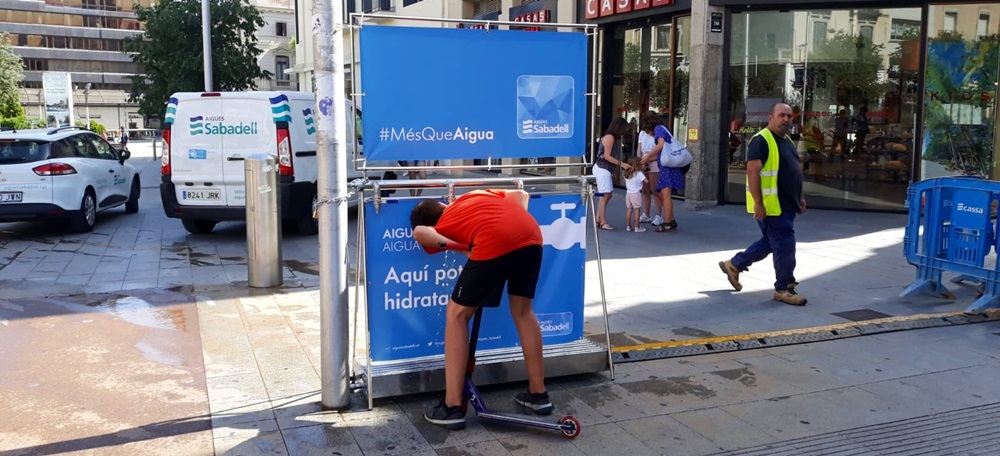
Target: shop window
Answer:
[[853, 94], [950, 20], [281, 29], [983, 27]]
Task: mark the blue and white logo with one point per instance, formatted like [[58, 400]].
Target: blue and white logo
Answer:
[[545, 107], [555, 324], [197, 154]]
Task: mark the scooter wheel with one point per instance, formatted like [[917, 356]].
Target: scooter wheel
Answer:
[[570, 427]]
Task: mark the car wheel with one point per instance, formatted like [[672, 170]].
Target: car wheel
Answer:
[[198, 226], [132, 205], [305, 222], [85, 219]]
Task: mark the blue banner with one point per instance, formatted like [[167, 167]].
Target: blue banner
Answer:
[[441, 93], [408, 290]]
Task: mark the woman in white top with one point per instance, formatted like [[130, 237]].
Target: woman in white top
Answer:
[[648, 146]]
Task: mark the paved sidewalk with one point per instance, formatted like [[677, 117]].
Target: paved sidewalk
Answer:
[[90, 316]]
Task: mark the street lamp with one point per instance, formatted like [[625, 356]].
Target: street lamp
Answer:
[[86, 102]]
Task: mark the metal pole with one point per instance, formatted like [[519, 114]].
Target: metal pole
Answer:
[[331, 154], [86, 101], [206, 41], [263, 221]]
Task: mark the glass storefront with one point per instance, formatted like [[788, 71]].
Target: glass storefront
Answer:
[[852, 79], [963, 59], [654, 67]]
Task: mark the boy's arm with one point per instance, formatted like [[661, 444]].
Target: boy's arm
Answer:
[[434, 242]]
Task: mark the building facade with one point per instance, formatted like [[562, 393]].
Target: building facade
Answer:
[[277, 39], [81, 37], [883, 92]]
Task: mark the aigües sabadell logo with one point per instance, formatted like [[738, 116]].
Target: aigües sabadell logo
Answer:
[[216, 125]]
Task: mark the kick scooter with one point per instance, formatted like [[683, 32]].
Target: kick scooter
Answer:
[[568, 425]]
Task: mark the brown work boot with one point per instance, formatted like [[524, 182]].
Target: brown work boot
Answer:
[[789, 296], [732, 273]]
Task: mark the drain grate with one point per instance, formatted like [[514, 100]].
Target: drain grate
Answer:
[[861, 315]]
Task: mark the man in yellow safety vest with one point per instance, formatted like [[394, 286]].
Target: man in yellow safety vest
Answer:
[[774, 196]]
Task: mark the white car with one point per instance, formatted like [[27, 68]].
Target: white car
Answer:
[[63, 173]]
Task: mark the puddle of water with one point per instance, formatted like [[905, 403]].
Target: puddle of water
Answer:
[[156, 355], [693, 332], [303, 267], [140, 312]]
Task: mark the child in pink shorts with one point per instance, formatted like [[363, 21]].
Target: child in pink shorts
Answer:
[[633, 196]]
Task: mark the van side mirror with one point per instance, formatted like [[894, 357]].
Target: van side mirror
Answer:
[[124, 155]]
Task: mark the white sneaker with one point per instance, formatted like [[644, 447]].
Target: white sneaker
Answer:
[[640, 230], [657, 221], [644, 218], [628, 228]]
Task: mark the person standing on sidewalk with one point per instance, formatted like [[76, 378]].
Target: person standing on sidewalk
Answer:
[[504, 245], [774, 196], [649, 145], [606, 160]]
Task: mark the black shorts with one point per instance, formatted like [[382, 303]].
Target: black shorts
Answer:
[[481, 282]]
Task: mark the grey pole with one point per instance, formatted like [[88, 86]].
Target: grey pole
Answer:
[[263, 221], [331, 153], [206, 41]]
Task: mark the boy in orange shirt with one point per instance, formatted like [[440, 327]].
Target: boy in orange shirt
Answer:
[[504, 245]]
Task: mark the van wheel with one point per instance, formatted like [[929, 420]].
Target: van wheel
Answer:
[[198, 226], [305, 222], [86, 218], [132, 205]]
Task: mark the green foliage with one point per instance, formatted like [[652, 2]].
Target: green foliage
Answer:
[[21, 123], [94, 126], [11, 74], [170, 51], [851, 64], [11, 108]]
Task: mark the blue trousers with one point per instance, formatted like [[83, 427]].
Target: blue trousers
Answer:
[[778, 238]]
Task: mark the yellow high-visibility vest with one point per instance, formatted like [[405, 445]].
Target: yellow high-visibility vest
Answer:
[[768, 177]]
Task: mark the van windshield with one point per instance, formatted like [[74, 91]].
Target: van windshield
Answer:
[[22, 151]]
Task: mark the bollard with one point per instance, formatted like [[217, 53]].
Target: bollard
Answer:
[[263, 222]]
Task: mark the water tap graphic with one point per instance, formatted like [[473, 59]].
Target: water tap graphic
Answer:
[[563, 233]]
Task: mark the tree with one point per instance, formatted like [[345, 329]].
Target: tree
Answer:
[[170, 51], [851, 63], [11, 74]]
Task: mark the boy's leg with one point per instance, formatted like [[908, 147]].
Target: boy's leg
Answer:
[[456, 351], [531, 341]]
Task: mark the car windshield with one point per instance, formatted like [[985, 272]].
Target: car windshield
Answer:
[[22, 151]]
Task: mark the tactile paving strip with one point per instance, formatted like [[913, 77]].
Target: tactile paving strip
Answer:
[[691, 347]]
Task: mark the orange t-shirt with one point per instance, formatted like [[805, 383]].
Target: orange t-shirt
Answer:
[[494, 225]]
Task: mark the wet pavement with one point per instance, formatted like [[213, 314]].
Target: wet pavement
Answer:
[[104, 373], [139, 338]]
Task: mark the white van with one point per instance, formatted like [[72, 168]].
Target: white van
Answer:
[[209, 134]]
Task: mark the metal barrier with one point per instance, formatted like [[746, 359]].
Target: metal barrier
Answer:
[[951, 229]]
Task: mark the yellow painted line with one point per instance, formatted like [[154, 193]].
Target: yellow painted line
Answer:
[[994, 313]]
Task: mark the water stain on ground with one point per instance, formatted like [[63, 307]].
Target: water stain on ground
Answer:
[[670, 386], [233, 258], [693, 332], [620, 339], [742, 375], [303, 267]]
